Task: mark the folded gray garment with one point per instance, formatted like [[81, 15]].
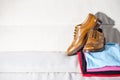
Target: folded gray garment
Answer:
[[104, 18], [111, 34]]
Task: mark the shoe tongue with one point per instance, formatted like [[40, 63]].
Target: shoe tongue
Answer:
[[92, 33]]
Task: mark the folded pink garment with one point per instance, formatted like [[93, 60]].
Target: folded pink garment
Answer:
[[106, 68]]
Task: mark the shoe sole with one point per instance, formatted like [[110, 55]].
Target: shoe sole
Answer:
[[95, 50]]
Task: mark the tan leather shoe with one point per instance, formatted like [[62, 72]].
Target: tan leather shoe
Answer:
[[95, 41], [81, 31]]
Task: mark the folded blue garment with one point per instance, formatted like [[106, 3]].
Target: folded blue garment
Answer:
[[108, 57]]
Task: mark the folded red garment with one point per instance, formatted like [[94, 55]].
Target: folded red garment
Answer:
[[83, 64]]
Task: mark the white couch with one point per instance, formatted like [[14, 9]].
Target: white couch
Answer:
[[34, 36]]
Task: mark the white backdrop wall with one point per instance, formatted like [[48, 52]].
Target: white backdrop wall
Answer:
[[47, 25]]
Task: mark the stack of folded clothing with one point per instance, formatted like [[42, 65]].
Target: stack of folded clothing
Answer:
[[96, 57], [103, 63]]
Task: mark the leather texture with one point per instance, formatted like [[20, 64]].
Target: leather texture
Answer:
[[80, 34], [95, 41]]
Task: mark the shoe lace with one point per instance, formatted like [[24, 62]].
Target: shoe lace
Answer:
[[93, 34], [75, 32]]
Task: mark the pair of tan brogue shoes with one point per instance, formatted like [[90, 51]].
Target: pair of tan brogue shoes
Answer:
[[87, 36]]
